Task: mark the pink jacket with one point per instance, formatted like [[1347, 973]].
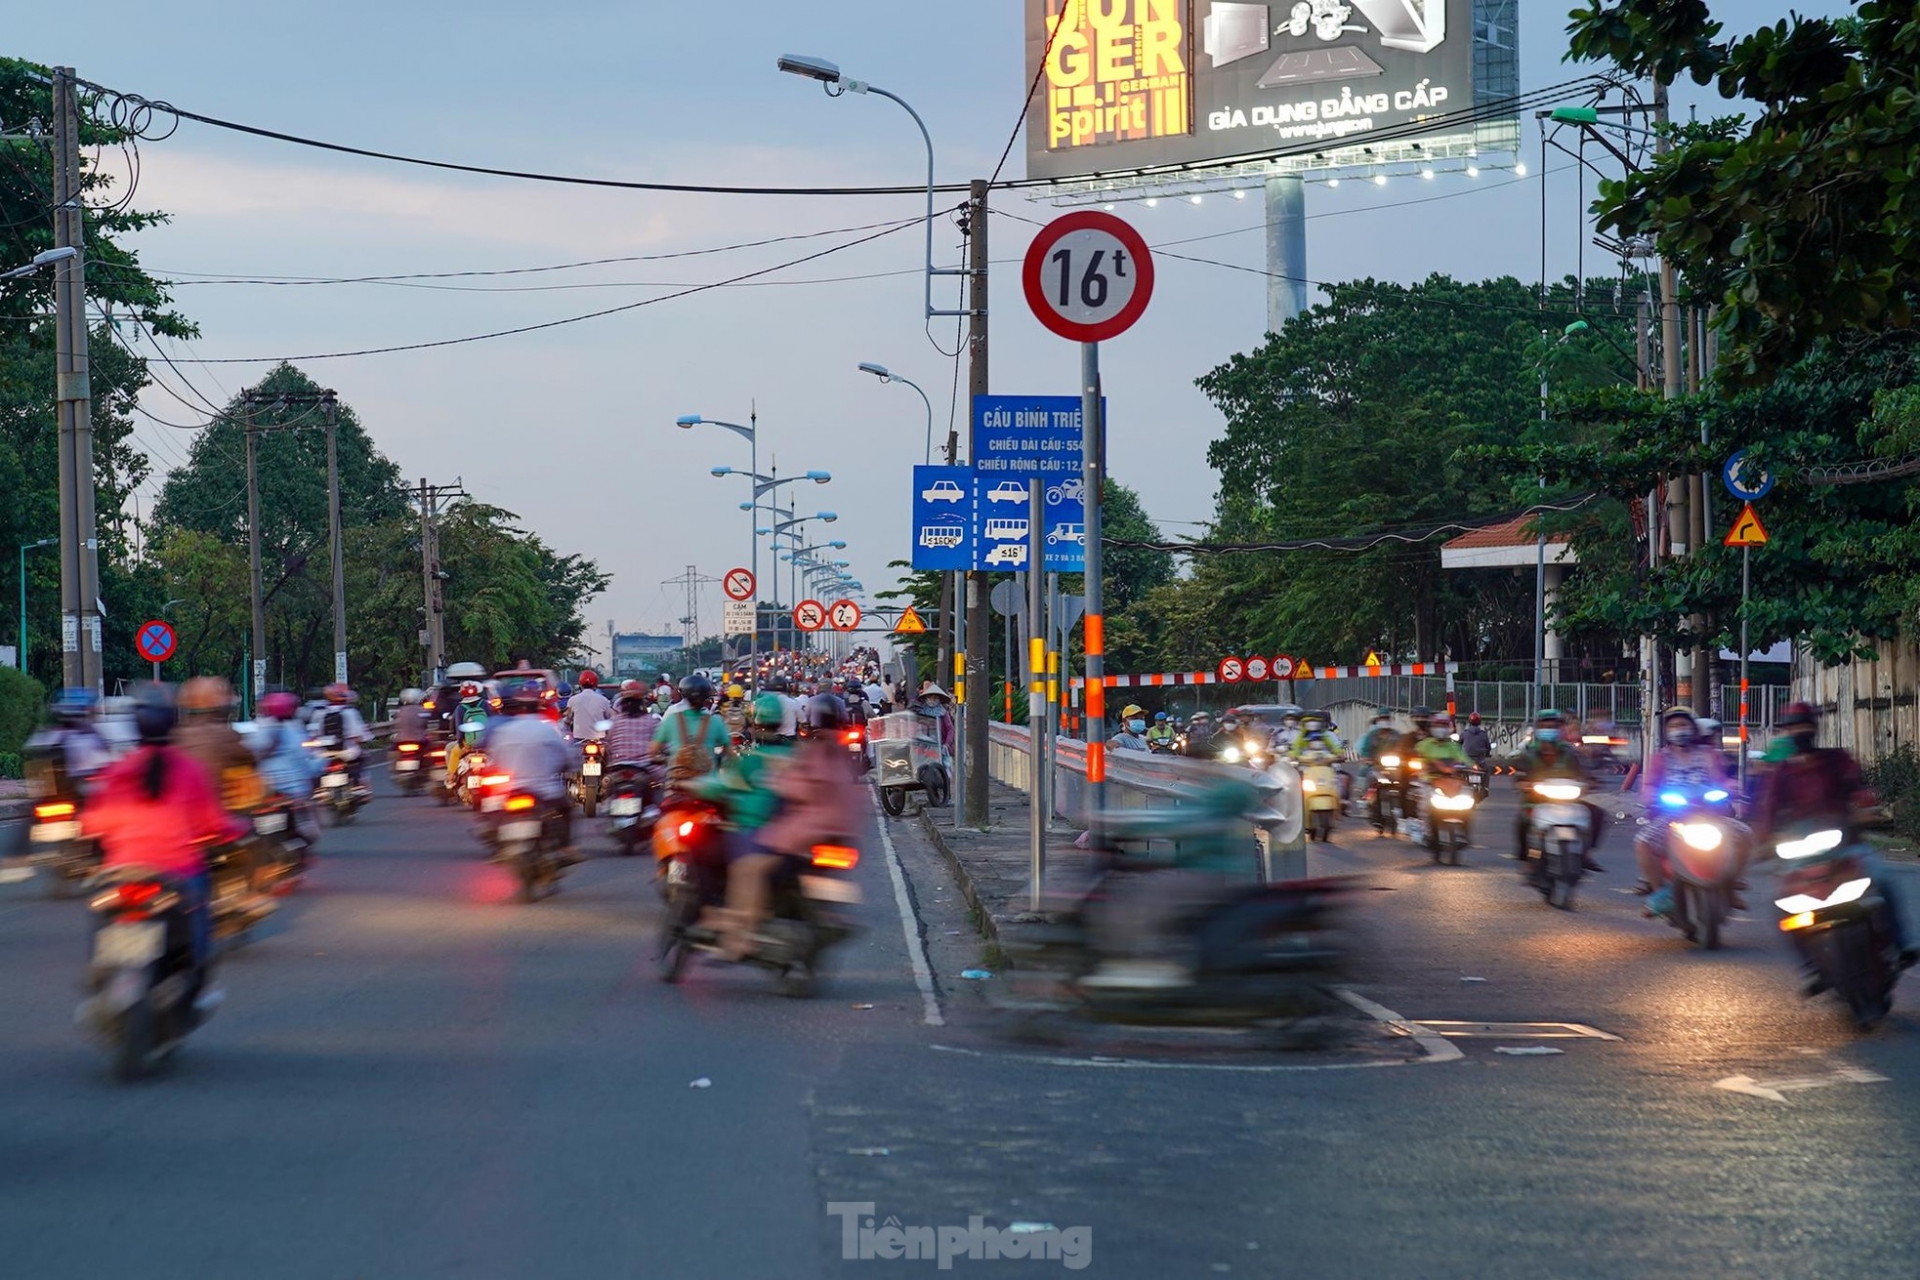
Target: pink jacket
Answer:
[[819, 801], [168, 834]]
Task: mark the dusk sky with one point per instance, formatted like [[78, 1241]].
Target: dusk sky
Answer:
[[572, 427]]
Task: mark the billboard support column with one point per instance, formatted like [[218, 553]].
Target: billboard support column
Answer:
[[1286, 249], [979, 632]]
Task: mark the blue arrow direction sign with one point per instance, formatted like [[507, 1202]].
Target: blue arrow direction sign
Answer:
[[943, 519], [1747, 481]]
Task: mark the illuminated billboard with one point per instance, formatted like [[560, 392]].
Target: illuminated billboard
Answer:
[[1131, 84]]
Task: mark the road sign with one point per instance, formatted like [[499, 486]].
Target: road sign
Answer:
[[1747, 481], [844, 615], [1302, 670], [1747, 531], [738, 620], [943, 525], [1008, 598], [1282, 666], [1256, 668], [1232, 670], [910, 624], [1018, 438], [1373, 659], [809, 615], [155, 640], [1088, 276], [738, 584]]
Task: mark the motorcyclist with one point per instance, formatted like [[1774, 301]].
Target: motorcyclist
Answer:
[[340, 721], [1442, 754], [528, 748], [1549, 754], [1380, 739], [204, 707], [1475, 740], [1160, 734], [1686, 762], [1227, 737], [1200, 735], [1132, 735], [410, 721], [587, 709], [1316, 738], [469, 726], [1288, 730], [630, 739], [69, 750], [734, 710], [690, 738], [815, 802], [157, 807], [1813, 784]]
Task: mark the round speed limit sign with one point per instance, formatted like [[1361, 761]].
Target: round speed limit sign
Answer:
[[1088, 276]]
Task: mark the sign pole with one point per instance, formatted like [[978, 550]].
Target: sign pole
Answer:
[[1091, 469], [1038, 784], [1746, 585]]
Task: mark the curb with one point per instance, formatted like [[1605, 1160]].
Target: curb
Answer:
[[987, 927]]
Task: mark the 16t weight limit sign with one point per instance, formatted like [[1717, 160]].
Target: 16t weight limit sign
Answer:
[[1088, 276]]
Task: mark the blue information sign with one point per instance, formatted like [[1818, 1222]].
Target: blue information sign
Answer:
[[943, 523], [1747, 481], [1019, 437]]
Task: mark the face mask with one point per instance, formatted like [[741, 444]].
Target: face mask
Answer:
[[1439, 732], [1547, 735], [1679, 738], [1135, 726], [1803, 738]]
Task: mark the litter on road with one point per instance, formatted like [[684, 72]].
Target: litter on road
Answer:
[[975, 975], [701, 1083]]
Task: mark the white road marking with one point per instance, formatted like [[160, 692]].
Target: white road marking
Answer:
[[1437, 1047], [916, 951], [1777, 1090], [1149, 1064], [14, 875]]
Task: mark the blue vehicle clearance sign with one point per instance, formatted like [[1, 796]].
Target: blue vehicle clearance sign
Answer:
[[1017, 438], [943, 519]]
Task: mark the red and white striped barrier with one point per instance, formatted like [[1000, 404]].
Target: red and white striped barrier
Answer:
[[1300, 673]]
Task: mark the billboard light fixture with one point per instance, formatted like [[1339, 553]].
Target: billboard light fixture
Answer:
[[1473, 171], [1240, 193], [1193, 199], [1427, 173], [1153, 202]]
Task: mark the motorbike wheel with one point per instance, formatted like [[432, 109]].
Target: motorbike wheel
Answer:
[[529, 872], [134, 1040], [1858, 975], [893, 800], [1713, 906], [682, 909], [797, 981], [939, 793], [589, 798]]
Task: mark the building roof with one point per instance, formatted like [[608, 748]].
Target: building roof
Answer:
[[1510, 544]]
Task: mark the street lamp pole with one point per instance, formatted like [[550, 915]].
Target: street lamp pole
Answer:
[[752, 434], [885, 374], [24, 548]]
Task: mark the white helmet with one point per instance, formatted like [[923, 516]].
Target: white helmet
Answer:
[[410, 696]]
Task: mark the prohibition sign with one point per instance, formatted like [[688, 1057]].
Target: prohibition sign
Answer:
[[845, 615], [1231, 670], [809, 615], [738, 584], [1088, 276], [1256, 668], [155, 641], [1282, 667]]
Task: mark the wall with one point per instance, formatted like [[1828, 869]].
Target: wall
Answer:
[[1867, 706]]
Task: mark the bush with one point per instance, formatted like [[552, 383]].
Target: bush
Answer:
[[1896, 776], [22, 701], [10, 765]]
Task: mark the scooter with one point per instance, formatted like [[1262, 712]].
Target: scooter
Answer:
[[282, 854], [1834, 912], [146, 986], [1450, 804], [335, 793], [62, 854], [409, 766], [1320, 786], [1560, 830], [1386, 798], [808, 908], [586, 786], [1704, 849], [854, 738], [630, 788], [526, 839]]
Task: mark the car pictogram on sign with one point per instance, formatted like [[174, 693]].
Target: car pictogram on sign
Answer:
[[943, 491], [1007, 491]]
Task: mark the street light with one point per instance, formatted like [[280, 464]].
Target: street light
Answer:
[[836, 84], [24, 548], [751, 434], [1540, 537], [40, 260], [885, 374]]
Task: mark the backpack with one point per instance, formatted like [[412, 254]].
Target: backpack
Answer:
[[334, 725], [692, 758]]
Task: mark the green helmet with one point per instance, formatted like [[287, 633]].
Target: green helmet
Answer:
[[767, 711]]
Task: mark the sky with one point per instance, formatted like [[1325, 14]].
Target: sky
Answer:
[[572, 427]]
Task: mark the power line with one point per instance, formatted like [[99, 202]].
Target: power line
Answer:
[[1358, 542]]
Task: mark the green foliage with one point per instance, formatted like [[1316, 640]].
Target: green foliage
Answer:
[[11, 765], [22, 701], [1896, 777], [1802, 216]]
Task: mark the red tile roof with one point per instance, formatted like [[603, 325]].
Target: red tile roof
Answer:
[[1517, 532]]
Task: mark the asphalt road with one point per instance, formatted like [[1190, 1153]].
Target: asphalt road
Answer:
[[414, 1076]]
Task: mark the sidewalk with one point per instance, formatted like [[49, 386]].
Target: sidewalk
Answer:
[[993, 867]]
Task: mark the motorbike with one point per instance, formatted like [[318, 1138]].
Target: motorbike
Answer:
[[410, 765], [335, 793], [141, 972], [807, 908], [526, 839], [854, 737], [1560, 830], [1703, 847], [1450, 802], [467, 777], [1836, 915], [1480, 779], [1250, 751], [1386, 797], [630, 788], [1320, 786], [58, 849], [282, 852], [586, 785]]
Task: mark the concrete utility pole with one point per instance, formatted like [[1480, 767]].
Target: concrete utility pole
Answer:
[[334, 541], [79, 550], [433, 631], [1678, 507], [259, 673], [979, 635]]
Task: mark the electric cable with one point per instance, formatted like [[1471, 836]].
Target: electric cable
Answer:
[[1357, 542]]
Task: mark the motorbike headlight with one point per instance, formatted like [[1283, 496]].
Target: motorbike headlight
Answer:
[[1231, 755], [1808, 846], [1806, 903], [1673, 799], [1309, 786], [1389, 762], [1704, 836], [1557, 790], [1453, 804], [1716, 796]]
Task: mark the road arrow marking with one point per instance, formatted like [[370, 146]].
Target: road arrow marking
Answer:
[[1777, 1090]]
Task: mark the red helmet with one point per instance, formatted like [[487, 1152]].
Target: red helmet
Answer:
[[280, 706], [588, 679], [337, 693], [1473, 717], [631, 686], [1798, 713]]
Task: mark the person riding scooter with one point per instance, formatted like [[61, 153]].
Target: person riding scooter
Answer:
[[1549, 755], [1687, 764], [586, 709], [1160, 734], [342, 733], [528, 748], [205, 731]]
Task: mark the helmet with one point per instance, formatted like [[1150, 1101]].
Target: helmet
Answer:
[[697, 690], [73, 706], [284, 706], [565, 690], [523, 698], [776, 684], [1159, 717], [736, 691], [1473, 717], [631, 686], [1550, 715], [1131, 710], [154, 713], [338, 693], [1421, 715], [589, 679], [1440, 721], [1313, 717], [409, 697], [205, 695], [1796, 714], [827, 712], [469, 691], [1198, 716], [767, 711]]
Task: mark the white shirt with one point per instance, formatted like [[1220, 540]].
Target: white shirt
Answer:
[[585, 710], [789, 716], [352, 727], [876, 695]]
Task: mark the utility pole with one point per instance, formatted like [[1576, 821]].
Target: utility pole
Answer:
[[979, 634], [433, 632], [334, 541], [79, 551], [259, 673], [1679, 509]]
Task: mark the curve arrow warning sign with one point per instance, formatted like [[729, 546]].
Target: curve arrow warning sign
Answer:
[[1747, 531]]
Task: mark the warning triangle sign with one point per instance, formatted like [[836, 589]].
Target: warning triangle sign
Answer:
[[1303, 671], [910, 623], [1747, 531], [1373, 659]]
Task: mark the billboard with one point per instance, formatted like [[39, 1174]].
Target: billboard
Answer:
[[1130, 84]]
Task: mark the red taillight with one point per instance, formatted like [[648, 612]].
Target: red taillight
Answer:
[[439, 753], [136, 895], [686, 828], [518, 804], [53, 809], [853, 737], [495, 780], [409, 746], [843, 857]]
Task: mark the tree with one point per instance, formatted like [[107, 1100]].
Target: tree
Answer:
[[1801, 216]]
